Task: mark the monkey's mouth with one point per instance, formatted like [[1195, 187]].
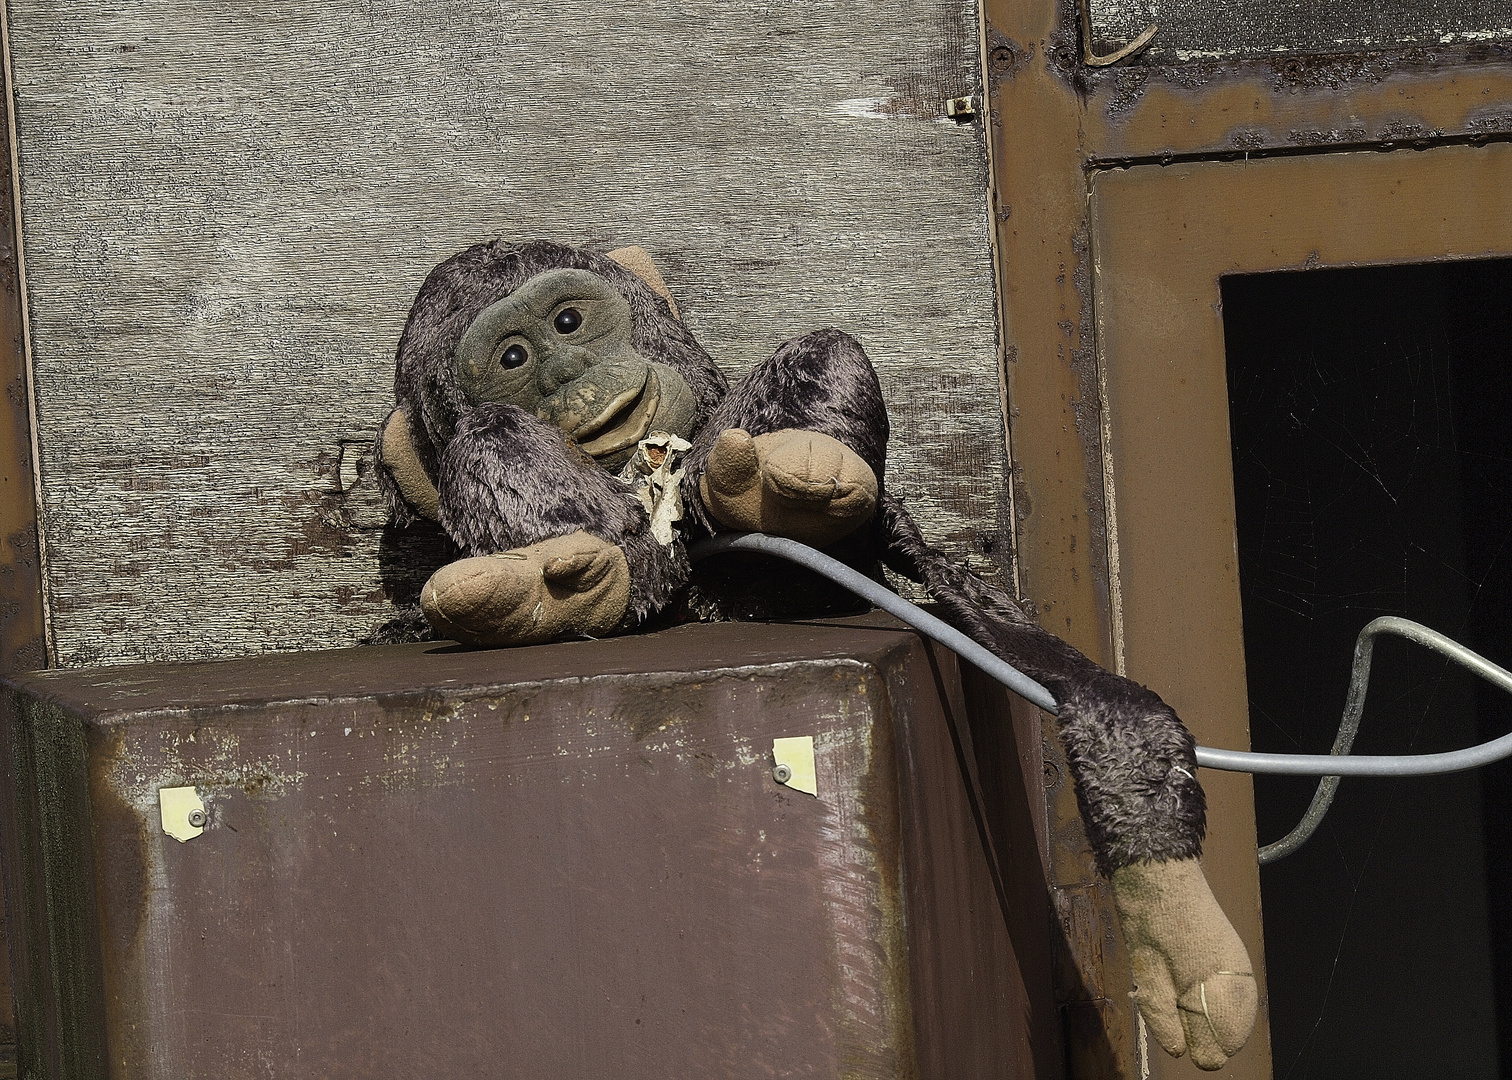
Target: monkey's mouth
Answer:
[[624, 422]]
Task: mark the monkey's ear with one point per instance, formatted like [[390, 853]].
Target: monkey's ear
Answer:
[[398, 458], [637, 260]]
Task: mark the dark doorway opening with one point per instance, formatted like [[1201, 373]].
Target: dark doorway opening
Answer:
[[1371, 419]]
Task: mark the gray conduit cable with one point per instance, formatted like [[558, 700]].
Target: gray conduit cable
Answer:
[[1354, 705], [1329, 766], [884, 598]]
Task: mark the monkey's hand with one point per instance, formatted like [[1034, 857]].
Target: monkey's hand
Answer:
[[803, 485], [1192, 975], [575, 584]]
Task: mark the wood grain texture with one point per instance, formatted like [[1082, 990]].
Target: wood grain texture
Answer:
[[1235, 29], [227, 212]]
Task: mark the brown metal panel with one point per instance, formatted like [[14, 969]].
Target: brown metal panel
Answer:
[[1163, 238], [563, 861], [54, 942], [1055, 122], [997, 742], [1050, 367]]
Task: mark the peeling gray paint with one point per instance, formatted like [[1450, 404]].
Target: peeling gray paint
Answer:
[[228, 209]]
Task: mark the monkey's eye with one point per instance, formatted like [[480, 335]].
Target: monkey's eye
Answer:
[[514, 356], [567, 320]]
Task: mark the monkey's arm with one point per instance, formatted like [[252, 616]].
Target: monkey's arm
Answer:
[[1133, 757], [556, 545], [797, 449], [1134, 761], [1134, 767], [819, 382]]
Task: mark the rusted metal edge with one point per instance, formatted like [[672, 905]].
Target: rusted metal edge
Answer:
[[25, 640], [24, 643], [1097, 163], [1335, 70], [986, 44], [1224, 109]]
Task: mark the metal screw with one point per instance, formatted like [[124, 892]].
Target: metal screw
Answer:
[[197, 818], [782, 774]]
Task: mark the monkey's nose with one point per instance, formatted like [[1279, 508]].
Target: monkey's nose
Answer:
[[562, 366]]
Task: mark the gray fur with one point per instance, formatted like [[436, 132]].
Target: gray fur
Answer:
[[509, 480], [457, 290]]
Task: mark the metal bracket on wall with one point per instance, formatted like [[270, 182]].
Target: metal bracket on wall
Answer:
[[961, 109], [1091, 59]]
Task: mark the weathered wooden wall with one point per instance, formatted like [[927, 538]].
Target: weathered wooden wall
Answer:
[[226, 210], [1248, 29]]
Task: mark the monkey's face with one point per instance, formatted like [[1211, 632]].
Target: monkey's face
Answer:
[[560, 346]]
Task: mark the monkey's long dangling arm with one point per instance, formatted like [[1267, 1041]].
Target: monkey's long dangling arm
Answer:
[[1134, 762], [1134, 768]]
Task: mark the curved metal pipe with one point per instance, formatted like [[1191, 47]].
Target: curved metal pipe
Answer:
[[1349, 726], [884, 598]]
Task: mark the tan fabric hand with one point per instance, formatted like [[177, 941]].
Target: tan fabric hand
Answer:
[[799, 484], [1194, 983], [565, 586]]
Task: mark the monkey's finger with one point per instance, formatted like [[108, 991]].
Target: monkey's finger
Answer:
[[573, 543], [809, 466], [734, 466], [1157, 1000], [1218, 1014], [578, 560], [802, 464], [836, 496], [801, 488], [581, 570], [468, 599]]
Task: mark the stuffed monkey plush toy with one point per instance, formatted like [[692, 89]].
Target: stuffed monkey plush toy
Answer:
[[559, 421]]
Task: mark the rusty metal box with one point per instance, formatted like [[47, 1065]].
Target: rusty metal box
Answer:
[[566, 861]]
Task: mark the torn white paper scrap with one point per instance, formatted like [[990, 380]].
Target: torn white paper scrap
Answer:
[[177, 804], [652, 466], [798, 755]]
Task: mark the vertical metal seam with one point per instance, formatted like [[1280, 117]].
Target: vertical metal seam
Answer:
[[1105, 438], [13, 149], [999, 289]]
